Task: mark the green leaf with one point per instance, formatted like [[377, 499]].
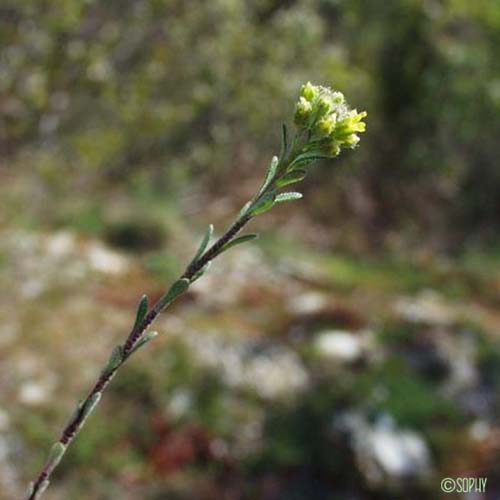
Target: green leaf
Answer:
[[291, 177], [75, 414], [55, 455], [179, 287], [89, 406], [271, 172], [239, 241], [263, 205], [288, 197], [284, 141], [204, 243], [142, 309], [115, 360], [201, 272], [41, 489], [148, 336], [306, 158], [244, 210]]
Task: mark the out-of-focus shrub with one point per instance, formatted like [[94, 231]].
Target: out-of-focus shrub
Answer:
[[164, 90]]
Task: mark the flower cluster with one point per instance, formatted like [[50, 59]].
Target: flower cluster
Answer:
[[330, 123]]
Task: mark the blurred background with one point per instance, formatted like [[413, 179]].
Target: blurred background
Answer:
[[352, 352]]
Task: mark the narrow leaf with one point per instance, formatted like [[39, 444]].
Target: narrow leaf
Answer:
[[284, 141], [115, 359], [201, 272], [75, 414], [179, 287], [291, 177], [89, 406], [55, 455], [41, 490], [271, 172], [306, 158], [142, 309], [244, 210], [263, 205], [239, 241], [148, 336], [204, 242], [83, 410], [288, 197]]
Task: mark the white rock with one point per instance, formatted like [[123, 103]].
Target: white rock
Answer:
[[272, 371], [340, 345], [180, 403], [60, 244], [34, 393], [386, 454], [461, 353], [399, 453], [275, 375], [106, 261], [307, 303], [428, 307], [480, 430]]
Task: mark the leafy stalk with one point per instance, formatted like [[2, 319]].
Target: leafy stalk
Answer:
[[325, 125]]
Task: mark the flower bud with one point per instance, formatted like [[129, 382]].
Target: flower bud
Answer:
[[309, 92], [323, 106], [347, 128], [332, 148], [351, 140], [325, 126], [303, 111], [332, 125]]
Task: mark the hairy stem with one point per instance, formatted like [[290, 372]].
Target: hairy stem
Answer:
[[72, 428], [338, 129]]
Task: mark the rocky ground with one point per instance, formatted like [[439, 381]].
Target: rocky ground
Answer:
[[281, 374]]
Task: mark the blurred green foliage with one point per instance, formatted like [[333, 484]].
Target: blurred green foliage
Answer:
[[170, 92], [108, 107]]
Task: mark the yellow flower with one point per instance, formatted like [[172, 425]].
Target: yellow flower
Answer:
[[351, 124], [309, 92], [303, 112], [325, 126], [327, 117]]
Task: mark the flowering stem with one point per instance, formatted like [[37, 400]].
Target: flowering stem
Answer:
[[335, 126], [214, 250], [74, 425]]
